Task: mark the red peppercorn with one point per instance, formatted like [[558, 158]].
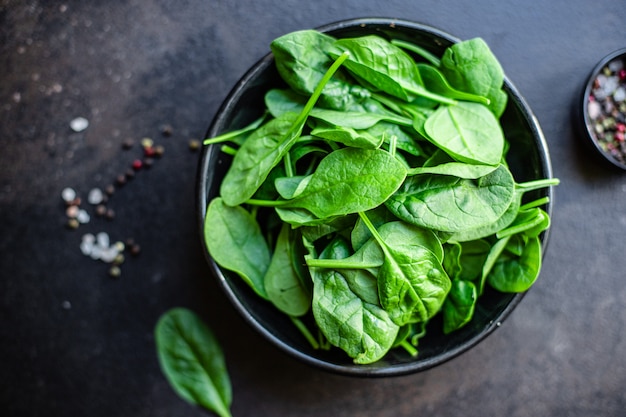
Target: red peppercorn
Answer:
[[149, 151], [621, 127], [622, 74], [137, 164], [619, 136]]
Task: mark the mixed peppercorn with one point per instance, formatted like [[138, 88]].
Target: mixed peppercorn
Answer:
[[99, 246], [606, 109]]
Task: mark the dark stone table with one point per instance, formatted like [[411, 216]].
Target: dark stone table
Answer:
[[77, 342]]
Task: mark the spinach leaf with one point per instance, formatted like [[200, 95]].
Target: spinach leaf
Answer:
[[471, 66], [234, 240], [489, 229], [257, 156], [378, 63], [468, 132], [349, 137], [412, 283], [192, 360], [435, 81], [266, 147], [281, 101], [291, 187], [284, 287], [363, 330], [422, 52], [517, 273], [530, 221], [361, 280], [455, 169], [357, 119], [360, 233], [458, 309], [473, 256], [302, 61], [452, 259], [405, 141], [451, 204], [347, 181]]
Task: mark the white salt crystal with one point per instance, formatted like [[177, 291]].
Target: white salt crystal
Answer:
[[102, 239], [79, 124], [95, 196], [68, 195]]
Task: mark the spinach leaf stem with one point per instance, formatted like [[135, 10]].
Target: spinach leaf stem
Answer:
[[236, 133], [408, 347], [305, 332]]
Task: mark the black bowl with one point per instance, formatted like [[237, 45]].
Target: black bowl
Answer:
[[612, 151], [529, 160]]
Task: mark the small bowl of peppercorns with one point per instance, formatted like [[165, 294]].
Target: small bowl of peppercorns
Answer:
[[604, 108]]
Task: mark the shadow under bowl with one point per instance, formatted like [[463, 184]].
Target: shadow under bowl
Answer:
[[528, 158]]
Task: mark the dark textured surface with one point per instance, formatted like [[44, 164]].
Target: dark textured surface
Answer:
[[76, 342]]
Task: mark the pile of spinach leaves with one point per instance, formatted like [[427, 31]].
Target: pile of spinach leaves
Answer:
[[375, 193]]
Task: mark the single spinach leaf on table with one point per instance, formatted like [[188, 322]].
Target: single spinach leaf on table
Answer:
[[451, 204], [234, 240], [192, 360], [468, 132], [363, 330], [471, 66]]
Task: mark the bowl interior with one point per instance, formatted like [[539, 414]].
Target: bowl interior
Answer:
[[529, 159], [587, 124]]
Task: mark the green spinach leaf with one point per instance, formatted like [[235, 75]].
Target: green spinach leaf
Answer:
[[451, 204], [349, 137], [378, 63], [266, 147], [471, 66], [435, 81], [234, 240], [346, 181], [513, 273], [363, 330], [412, 284], [458, 309], [302, 61], [192, 360], [468, 132], [284, 287]]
